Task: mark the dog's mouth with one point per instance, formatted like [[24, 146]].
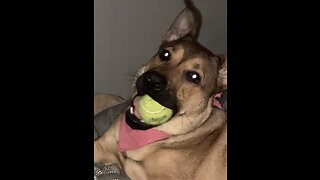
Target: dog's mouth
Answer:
[[136, 120]]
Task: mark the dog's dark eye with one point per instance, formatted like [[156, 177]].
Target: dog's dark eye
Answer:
[[193, 77], [164, 55]]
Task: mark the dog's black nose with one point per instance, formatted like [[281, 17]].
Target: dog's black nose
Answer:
[[154, 81]]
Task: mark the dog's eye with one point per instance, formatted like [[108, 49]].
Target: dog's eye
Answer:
[[193, 77], [164, 55]]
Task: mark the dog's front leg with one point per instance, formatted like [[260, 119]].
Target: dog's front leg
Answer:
[[105, 155], [105, 147], [134, 170]]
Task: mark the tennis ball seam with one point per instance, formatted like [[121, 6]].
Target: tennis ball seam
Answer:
[[159, 116], [155, 112]]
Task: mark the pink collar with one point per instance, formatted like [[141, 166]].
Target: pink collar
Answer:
[[131, 139], [216, 102]]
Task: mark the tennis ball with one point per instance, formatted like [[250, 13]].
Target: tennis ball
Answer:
[[152, 112]]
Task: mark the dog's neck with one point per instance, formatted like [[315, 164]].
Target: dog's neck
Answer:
[[211, 125], [186, 131], [211, 128], [181, 125]]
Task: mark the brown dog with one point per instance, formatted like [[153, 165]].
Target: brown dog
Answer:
[[183, 76]]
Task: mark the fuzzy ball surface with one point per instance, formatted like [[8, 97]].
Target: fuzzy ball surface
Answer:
[[152, 112]]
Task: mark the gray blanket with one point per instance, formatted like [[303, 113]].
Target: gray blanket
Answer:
[[108, 172]]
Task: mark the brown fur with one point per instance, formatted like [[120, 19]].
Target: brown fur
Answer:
[[197, 146]]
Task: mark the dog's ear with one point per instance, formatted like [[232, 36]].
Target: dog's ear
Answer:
[[186, 24], [222, 73]]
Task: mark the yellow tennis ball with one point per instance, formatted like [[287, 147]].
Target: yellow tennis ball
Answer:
[[152, 112]]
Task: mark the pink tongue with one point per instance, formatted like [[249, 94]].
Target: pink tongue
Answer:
[[130, 139]]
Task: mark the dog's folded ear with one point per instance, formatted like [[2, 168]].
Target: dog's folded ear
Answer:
[[222, 74], [187, 24]]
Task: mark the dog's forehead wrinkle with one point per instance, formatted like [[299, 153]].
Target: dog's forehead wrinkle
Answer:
[[173, 45], [196, 66], [193, 47], [187, 45], [197, 58]]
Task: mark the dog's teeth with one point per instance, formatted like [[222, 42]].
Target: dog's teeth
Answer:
[[131, 110]]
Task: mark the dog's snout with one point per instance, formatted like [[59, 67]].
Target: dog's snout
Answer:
[[154, 81]]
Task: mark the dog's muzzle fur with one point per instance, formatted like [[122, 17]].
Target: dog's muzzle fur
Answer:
[[155, 85]]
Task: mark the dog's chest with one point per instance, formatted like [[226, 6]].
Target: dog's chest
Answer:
[[171, 164], [188, 162]]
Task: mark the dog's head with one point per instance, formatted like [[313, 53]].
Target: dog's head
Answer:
[[183, 75]]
